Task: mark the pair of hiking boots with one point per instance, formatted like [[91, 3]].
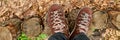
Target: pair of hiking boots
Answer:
[[57, 22]]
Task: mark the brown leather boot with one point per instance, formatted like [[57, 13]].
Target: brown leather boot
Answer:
[[82, 22], [56, 20]]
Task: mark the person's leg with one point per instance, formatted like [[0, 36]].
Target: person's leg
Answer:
[[81, 36], [57, 36]]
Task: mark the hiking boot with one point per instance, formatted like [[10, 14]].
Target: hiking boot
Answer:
[[82, 22], [56, 20]]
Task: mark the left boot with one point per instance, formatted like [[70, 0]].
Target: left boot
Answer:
[[56, 20]]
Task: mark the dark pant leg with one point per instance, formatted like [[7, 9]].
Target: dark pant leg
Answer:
[[81, 36], [57, 36]]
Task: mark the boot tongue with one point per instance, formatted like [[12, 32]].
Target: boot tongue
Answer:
[[57, 22], [84, 22]]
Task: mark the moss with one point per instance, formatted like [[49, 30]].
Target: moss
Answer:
[[24, 37]]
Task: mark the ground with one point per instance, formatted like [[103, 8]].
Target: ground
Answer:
[[105, 24]]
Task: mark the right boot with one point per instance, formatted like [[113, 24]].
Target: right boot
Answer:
[[82, 22]]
